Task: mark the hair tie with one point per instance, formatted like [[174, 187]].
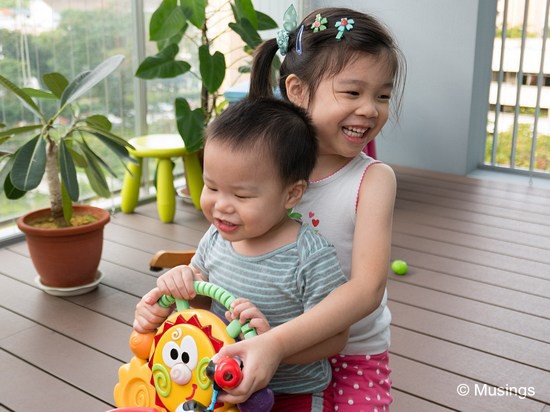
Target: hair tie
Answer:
[[290, 22]]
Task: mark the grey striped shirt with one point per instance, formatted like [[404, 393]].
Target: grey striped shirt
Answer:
[[283, 284]]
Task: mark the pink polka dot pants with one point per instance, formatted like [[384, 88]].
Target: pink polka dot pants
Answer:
[[361, 383]]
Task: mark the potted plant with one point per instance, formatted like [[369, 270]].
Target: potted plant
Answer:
[[58, 236], [169, 26]]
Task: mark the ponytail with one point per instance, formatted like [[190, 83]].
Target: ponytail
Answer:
[[260, 75]]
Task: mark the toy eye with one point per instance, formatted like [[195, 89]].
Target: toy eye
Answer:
[[186, 353], [189, 352]]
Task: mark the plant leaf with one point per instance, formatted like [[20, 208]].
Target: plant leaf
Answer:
[[89, 79], [195, 11], [6, 169], [95, 175], [29, 164], [21, 95], [162, 65], [118, 149], [56, 83], [99, 121], [19, 130], [190, 125], [66, 203], [41, 94], [247, 33], [11, 191], [175, 39], [68, 172], [245, 9], [265, 22], [167, 20], [212, 68]]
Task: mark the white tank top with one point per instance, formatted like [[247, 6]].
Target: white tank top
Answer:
[[329, 205]]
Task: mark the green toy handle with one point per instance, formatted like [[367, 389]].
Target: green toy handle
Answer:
[[220, 295]]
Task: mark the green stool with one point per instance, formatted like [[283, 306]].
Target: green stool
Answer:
[[162, 147]]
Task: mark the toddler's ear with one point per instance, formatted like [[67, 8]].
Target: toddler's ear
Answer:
[[296, 90], [295, 193]]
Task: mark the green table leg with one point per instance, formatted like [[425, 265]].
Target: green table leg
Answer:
[[166, 195], [193, 177], [130, 188]]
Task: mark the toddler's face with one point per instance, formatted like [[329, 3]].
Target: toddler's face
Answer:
[[243, 195]]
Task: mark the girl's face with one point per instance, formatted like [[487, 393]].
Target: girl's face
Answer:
[[350, 108], [243, 195]]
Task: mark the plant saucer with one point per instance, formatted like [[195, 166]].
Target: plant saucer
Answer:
[[74, 291]]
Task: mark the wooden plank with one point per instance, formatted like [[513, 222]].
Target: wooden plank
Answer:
[[440, 387], [77, 364], [467, 270], [67, 318], [478, 291], [507, 186], [476, 365], [24, 387], [471, 216], [506, 242], [471, 228], [470, 310], [481, 257], [531, 201], [472, 335]]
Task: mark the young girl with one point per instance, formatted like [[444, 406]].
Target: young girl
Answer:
[[257, 159], [342, 66]]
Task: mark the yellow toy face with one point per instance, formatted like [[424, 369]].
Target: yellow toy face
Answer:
[[181, 352]]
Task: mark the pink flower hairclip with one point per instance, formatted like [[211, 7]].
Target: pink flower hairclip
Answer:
[[343, 25], [319, 23]]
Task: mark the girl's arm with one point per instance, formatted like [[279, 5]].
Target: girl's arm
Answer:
[[347, 304]]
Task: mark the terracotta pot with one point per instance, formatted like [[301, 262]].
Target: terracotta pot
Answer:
[[67, 257]]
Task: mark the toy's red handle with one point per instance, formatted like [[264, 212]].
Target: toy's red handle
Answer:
[[228, 373]]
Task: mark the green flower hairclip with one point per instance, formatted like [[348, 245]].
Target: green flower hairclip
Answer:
[[319, 23], [343, 25]]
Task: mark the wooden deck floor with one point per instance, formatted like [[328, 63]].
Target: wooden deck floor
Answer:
[[474, 309]]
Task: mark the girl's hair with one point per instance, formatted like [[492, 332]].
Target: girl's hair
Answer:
[[269, 127], [324, 55]]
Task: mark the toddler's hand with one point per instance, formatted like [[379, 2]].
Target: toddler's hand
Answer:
[[178, 282], [244, 310], [149, 315]]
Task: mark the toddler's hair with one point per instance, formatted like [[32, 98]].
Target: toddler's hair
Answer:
[[324, 55], [269, 127]]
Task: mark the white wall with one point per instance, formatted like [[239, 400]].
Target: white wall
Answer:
[[448, 47]]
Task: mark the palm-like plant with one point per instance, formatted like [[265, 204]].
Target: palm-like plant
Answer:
[[57, 148]]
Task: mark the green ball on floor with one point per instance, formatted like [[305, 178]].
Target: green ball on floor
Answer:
[[399, 267]]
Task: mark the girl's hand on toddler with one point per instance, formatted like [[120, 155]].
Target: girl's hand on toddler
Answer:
[[148, 315], [244, 310]]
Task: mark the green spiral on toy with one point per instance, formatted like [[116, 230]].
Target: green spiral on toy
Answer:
[[161, 377]]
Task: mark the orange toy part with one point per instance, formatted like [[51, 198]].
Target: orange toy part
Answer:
[[140, 343], [134, 387]]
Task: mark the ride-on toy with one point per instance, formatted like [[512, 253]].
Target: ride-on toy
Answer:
[[172, 369]]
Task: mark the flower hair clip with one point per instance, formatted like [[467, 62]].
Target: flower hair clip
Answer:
[[343, 25], [319, 23]]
